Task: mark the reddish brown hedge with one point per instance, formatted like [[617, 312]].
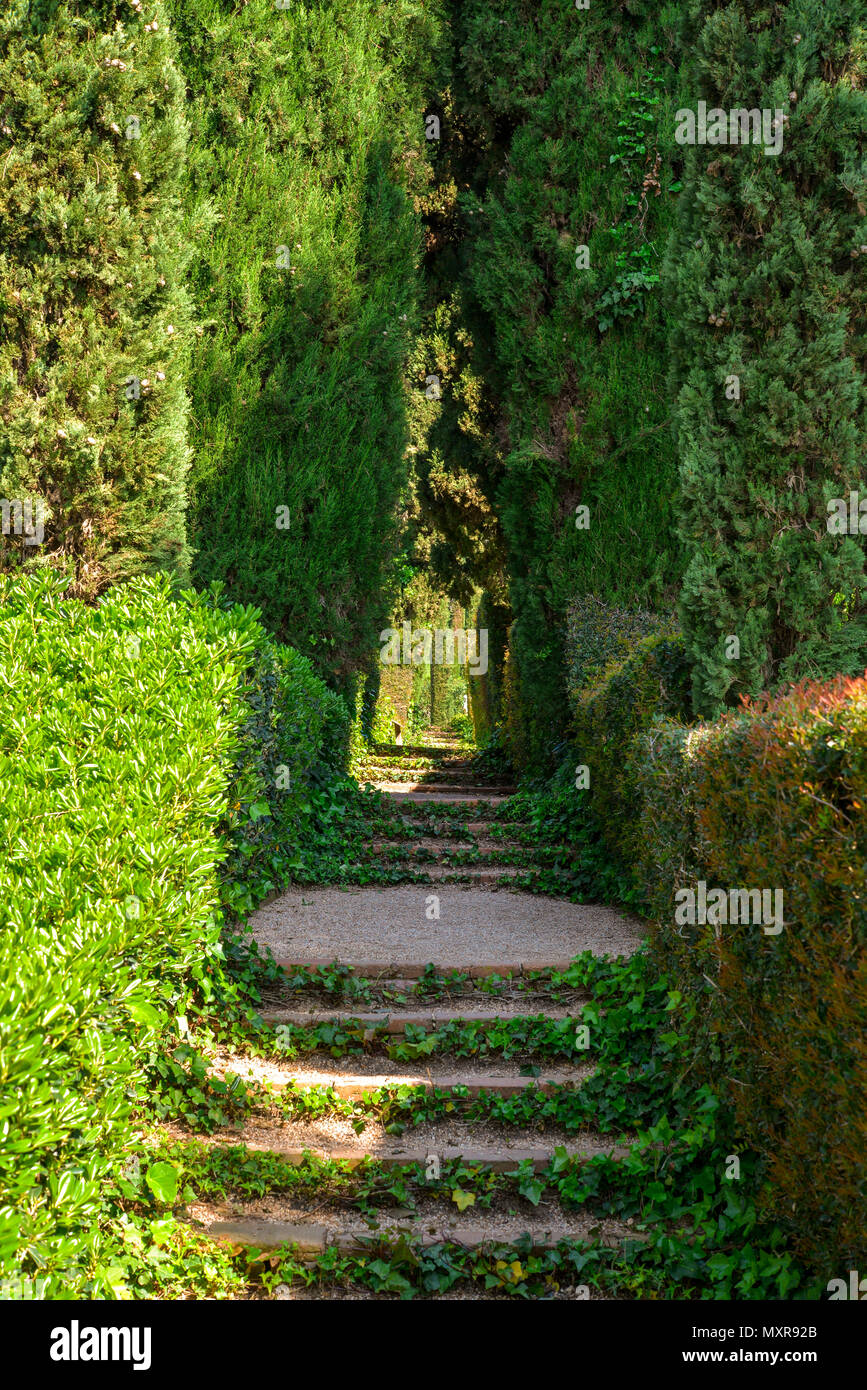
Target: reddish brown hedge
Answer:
[[773, 795]]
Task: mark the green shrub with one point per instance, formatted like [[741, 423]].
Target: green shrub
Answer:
[[92, 264], [126, 781], [773, 796], [597, 634], [620, 699], [296, 733]]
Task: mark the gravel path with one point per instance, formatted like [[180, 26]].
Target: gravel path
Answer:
[[389, 924]]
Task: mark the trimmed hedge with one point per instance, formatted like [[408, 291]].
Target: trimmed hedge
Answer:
[[774, 796], [622, 675], [598, 634], [128, 779], [771, 796]]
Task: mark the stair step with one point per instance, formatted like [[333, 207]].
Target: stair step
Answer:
[[405, 971], [351, 1077], [512, 1000], [456, 768], [437, 798], [413, 754], [438, 844], [498, 1160], [442, 825], [479, 827], [396, 1022], [312, 1239], [475, 873], [480, 792]]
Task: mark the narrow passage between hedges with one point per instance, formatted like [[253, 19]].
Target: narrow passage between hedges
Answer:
[[443, 964]]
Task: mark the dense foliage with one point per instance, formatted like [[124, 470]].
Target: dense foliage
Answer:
[[769, 352], [769, 798], [773, 797], [306, 144], [127, 777], [360, 312], [570, 107], [93, 303]]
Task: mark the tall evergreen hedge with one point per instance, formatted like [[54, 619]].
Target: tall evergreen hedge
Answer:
[[92, 258], [766, 273], [307, 141], [571, 105]]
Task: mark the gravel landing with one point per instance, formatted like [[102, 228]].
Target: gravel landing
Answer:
[[389, 924]]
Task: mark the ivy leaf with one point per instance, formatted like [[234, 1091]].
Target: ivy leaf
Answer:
[[162, 1179], [463, 1199]]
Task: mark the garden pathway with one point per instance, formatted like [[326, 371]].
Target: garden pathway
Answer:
[[453, 942]]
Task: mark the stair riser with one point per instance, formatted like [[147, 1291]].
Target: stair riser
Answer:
[[311, 1242], [396, 1027], [413, 970], [506, 1163], [356, 1090]]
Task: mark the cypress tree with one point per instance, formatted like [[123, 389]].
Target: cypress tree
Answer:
[[94, 313], [766, 274], [307, 141], [566, 224]]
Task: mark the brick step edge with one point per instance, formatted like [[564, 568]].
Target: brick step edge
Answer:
[[442, 873], [312, 1240], [450, 845], [398, 1022], [438, 798], [413, 970], [417, 750], [456, 994], [478, 1086], [414, 784], [354, 1158]]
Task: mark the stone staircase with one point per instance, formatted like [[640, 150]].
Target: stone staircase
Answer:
[[462, 961], [425, 836]]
